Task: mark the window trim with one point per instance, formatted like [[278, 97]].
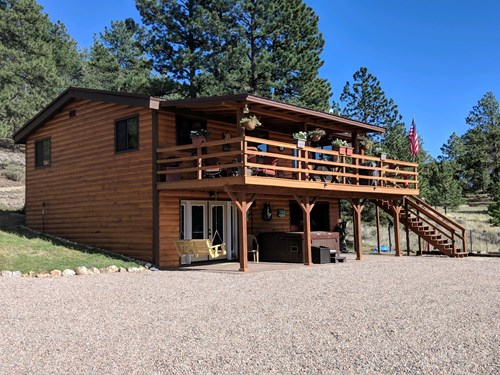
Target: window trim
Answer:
[[127, 118], [44, 163]]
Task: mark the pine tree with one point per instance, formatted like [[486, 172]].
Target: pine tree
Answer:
[[444, 189], [216, 47], [117, 62], [39, 60], [482, 146], [365, 101]]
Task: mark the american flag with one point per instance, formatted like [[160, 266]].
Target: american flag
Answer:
[[413, 139]]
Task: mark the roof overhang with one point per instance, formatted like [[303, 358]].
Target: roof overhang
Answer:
[[273, 114]]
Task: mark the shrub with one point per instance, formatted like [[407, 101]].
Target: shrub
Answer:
[[14, 172]]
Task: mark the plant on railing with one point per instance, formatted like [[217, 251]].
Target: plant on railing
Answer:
[[339, 142], [342, 147], [250, 122], [199, 133], [300, 135], [316, 134], [301, 138]]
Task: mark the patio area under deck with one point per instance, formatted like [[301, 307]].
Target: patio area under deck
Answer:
[[304, 174]]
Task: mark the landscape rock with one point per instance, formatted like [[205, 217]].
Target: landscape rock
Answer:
[[17, 274], [123, 269], [6, 273], [93, 270], [82, 270], [68, 272], [56, 273], [43, 275], [112, 269]]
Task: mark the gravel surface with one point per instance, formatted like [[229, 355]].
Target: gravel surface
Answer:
[[384, 315]]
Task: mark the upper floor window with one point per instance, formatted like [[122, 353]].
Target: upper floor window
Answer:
[[183, 127], [127, 134], [42, 152]]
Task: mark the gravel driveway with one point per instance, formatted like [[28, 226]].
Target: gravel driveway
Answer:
[[384, 315]]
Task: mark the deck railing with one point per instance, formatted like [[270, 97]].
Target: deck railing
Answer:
[[239, 156]]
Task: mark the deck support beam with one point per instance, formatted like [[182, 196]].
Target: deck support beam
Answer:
[[307, 205], [357, 206], [377, 215], [396, 211], [243, 206]]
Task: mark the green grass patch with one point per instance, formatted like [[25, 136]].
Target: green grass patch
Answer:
[[23, 251]]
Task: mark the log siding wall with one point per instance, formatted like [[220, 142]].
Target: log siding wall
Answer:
[[91, 193]]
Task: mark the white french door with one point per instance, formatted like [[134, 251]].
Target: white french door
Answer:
[[214, 220]]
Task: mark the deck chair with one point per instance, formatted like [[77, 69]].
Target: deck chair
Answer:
[[253, 247], [267, 171], [205, 247], [215, 170]]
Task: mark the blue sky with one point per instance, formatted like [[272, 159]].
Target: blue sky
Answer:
[[435, 58]]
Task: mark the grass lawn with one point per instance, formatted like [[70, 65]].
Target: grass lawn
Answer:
[[20, 250]]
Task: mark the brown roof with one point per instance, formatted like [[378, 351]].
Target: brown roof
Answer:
[[274, 115]]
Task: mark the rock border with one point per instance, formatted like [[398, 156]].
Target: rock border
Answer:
[[78, 271], [81, 270]]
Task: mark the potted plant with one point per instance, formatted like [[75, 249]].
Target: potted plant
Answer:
[[250, 122], [316, 134], [301, 138], [341, 146], [198, 136], [380, 153]]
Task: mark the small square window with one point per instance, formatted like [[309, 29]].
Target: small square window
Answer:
[[42, 152], [127, 134]]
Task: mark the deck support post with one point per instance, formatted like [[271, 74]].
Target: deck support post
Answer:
[[307, 205], [243, 206], [357, 208], [377, 215], [396, 211]]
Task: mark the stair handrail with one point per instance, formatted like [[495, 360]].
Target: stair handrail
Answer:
[[429, 207], [445, 222]]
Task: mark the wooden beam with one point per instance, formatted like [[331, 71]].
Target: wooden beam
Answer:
[[357, 208], [377, 214], [243, 206], [396, 210], [307, 205]]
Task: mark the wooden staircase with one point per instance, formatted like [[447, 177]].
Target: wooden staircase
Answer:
[[445, 235]]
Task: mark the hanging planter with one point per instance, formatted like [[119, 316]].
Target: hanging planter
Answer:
[[316, 134], [250, 122]]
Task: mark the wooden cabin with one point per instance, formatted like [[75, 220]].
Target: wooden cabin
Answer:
[[122, 172]]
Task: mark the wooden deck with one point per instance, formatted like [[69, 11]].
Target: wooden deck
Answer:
[[253, 164]]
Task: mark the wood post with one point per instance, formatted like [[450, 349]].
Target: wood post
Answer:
[[243, 205], [377, 214], [396, 210], [357, 208], [307, 205]]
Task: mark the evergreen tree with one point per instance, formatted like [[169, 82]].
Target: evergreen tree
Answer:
[[494, 212], [215, 47], [117, 62], [38, 58], [365, 101], [481, 160], [444, 189]]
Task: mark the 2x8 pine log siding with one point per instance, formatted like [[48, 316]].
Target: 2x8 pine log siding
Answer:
[[90, 193]]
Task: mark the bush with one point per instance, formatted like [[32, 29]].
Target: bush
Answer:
[[494, 212], [14, 172]]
